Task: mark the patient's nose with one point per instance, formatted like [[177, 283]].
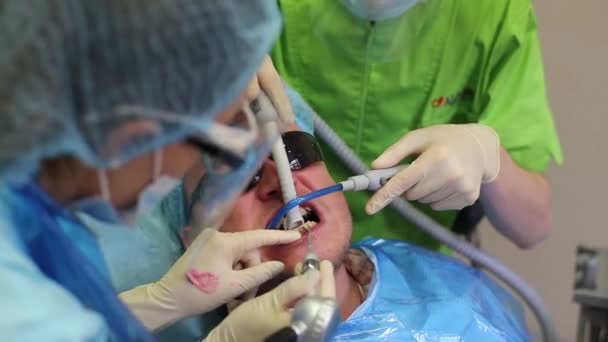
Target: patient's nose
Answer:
[[269, 186]]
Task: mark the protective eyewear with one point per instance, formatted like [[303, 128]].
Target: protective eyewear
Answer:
[[231, 154], [229, 142], [302, 151]]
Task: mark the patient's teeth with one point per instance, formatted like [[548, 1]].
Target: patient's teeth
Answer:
[[303, 227], [311, 224], [306, 227], [305, 210]]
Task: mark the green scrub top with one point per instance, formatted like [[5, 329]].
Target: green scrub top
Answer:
[[443, 61]]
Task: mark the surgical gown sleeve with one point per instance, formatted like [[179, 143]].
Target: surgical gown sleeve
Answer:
[[34, 308], [144, 255]]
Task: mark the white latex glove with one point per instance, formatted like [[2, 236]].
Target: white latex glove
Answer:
[[262, 316], [268, 80], [211, 257], [249, 260], [453, 162], [326, 287]]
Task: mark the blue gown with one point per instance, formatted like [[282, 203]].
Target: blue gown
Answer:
[[143, 254], [54, 284]]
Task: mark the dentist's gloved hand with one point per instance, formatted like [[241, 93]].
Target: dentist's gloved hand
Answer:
[[262, 316], [453, 162], [211, 280], [268, 80]]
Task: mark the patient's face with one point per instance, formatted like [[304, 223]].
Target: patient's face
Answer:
[[256, 207]]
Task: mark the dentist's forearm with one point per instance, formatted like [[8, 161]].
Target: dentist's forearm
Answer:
[[518, 203]]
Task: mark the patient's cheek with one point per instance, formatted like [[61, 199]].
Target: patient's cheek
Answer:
[[232, 224], [285, 254], [245, 215]]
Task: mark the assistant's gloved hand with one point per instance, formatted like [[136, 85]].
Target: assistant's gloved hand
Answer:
[[262, 316], [268, 80], [209, 263], [453, 162]]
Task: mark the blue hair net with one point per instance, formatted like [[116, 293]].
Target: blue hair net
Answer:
[[106, 80]]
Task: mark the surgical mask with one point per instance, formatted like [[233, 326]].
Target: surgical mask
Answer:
[[376, 10], [154, 193], [101, 207]]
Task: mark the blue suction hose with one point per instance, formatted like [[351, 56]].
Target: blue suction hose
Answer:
[[274, 223], [371, 181]]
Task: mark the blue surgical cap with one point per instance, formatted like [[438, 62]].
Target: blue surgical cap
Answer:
[[79, 77]]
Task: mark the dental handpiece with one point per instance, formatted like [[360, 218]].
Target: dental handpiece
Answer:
[[315, 318], [268, 117], [371, 180], [311, 260]]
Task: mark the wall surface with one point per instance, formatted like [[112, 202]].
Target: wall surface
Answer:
[[574, 36]]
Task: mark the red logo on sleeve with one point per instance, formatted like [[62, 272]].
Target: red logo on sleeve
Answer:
[[438, 102], [450, 100]]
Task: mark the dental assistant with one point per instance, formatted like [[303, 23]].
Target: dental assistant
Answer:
[[455, 87], [103, 126]]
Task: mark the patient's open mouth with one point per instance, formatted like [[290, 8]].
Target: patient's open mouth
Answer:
[[310, 217]]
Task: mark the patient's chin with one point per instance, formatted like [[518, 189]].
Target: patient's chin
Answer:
[[288, 256], [294, 255]]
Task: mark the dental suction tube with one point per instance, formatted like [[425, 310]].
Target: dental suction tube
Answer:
[[288, 189], [268, 118], [445, 235]]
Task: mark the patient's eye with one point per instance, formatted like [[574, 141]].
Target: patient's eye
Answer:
[[254, 181]]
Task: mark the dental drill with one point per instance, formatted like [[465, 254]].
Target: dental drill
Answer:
[[315, 318], [268, 118], [311, 260]]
